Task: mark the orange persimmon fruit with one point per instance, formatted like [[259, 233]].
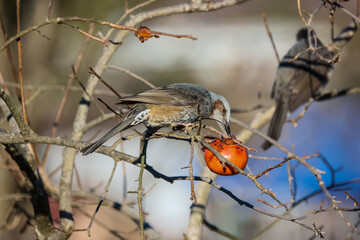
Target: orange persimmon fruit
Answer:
[[233, 152]]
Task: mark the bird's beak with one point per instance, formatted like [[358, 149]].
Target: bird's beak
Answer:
[[227, 128]]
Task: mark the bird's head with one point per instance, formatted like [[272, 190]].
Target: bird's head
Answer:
[[221, 111]]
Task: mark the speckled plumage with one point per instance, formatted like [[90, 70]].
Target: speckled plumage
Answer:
[[179, 103]]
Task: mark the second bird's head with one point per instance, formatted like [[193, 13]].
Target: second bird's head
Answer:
[[221, 111]]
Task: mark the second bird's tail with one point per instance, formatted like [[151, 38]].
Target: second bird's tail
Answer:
[[276, 123]]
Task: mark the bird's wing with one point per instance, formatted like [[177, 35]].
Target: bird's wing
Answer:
[[304, 77], [160, 96], [310, 81]]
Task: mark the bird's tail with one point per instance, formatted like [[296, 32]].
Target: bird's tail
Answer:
[[126, 123], [277, 121]]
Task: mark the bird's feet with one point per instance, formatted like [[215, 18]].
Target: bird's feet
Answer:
[[183, 126]]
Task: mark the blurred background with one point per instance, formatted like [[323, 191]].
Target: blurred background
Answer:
[[233, 56]]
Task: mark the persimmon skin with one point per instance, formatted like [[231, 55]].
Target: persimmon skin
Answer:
[[231, 151]]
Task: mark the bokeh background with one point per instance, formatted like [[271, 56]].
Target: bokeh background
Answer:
[[233, 56]]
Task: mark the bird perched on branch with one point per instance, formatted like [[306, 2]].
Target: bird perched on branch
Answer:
[[180, 103], [299, 78]]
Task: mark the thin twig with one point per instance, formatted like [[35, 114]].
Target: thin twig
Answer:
[[295, 120], [53, 172], [352, 198], [106, 190], [92, 71], [124, 173], [143, 149], [106, 42], [85, 91], [100, 223], [191, 172], [349, 13], [273, 167], [111, 110], [174, 35], [300, 13], [321, 210], [270, 205], [263, 14], [43, 35], [49, 10], [20, 63], [266, 158], [143, 80]]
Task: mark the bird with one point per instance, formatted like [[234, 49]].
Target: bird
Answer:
[[299, 79], [179, 103]]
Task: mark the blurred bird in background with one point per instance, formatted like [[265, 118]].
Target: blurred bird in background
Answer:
[[302, 77], [180, 103]]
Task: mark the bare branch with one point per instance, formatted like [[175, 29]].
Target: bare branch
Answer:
[[270, 36]]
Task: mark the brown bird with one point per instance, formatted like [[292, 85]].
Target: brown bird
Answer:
[[180, 103], [299, 80]]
